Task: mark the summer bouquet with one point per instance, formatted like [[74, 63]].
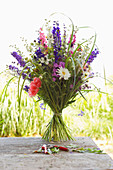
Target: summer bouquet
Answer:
[[58, 69]]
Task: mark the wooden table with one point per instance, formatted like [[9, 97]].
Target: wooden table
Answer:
[[16, 153]]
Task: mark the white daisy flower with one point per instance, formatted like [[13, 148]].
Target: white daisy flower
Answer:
[[63, 73], [45, 60]]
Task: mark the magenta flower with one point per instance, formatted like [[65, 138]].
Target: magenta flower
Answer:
[[54, 79], [62, 64], [56, 65], [54, 74]]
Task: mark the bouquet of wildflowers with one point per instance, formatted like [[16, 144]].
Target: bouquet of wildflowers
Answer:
[[58, 70]]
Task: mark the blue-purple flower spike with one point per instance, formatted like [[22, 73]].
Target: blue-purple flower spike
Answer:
[[92, 56], [39, 54], [57, 40], [19, 59]]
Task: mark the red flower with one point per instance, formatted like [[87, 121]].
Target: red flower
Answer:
[[34, 87], [33, 92], [37, 81]]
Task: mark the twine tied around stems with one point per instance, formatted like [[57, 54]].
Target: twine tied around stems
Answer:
[[57, 114]]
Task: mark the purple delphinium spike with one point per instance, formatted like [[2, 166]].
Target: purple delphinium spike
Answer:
[[92, 56], [17, 71], [13, 68], [56, 40], [19, 59], [39, 54], [24, 75]]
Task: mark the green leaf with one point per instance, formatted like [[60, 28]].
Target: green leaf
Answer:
[[82, 95], [70, 102], [79, 47], [54, 150], [72, 146], [20, 90], [91, 49], [5, 90], [74, 72]]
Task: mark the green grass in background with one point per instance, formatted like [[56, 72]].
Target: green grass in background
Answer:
[[97, 121]]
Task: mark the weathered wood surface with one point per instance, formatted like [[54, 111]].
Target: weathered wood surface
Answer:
[[17, 154]]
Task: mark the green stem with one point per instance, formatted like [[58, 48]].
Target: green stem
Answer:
[[57, 130], [51, 96]]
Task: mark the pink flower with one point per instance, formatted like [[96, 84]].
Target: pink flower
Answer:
[[71, 52], [71, 86], [73, 40], [55, 74], [54, 79], [42, 38], [62, 64], [56, 65], [54, 69], [34, 87]]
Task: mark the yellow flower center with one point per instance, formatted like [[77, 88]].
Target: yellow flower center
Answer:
[[63, 73]]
